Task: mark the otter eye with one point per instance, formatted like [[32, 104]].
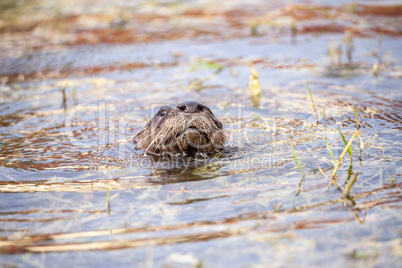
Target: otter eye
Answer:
[[162, 113], [201, 108]]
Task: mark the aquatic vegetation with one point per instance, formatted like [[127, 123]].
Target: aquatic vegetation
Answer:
[[349, 149], [329, 150], [344, 151], [204, 64], [254, 87], [312, 101], [297, 162], [350, 184]]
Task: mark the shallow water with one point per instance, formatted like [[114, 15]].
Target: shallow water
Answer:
[[79, 79]]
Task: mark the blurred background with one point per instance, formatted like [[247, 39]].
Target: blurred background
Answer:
[[69, 196]]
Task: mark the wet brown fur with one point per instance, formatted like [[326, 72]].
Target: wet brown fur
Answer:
[[177, 132]]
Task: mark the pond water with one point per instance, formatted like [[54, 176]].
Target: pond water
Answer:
[[80, 78]]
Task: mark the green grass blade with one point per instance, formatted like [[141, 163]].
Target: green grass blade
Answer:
[[204, 64], [357, 118], [346, 143], [297, 162], [330, 151], [312, 101]]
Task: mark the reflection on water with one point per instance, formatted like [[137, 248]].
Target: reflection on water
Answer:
[[78, 79]]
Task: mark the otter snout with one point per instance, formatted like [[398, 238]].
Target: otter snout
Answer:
[[189, 128], [191, 107]]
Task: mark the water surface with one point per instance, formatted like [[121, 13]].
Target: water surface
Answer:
[[80, 78]]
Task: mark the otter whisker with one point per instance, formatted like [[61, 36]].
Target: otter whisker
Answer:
[[142, 139], [160, 143], [148, 147]]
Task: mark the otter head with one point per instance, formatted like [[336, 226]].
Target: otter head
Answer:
[[189, 128]]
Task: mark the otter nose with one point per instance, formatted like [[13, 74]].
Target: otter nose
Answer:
[[190, 107]]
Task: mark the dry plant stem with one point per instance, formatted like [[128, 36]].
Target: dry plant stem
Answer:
[[349, 186], [336, 184], [322, 172], [357, 216], [343, 153], [333, 179], [361, 142]]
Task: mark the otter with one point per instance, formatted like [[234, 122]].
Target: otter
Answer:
[[189, 129]]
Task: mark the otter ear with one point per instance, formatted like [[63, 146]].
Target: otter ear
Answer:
[[167, 108], [218, 123]]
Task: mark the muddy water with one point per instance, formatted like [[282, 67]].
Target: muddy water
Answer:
[[80, 78]]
